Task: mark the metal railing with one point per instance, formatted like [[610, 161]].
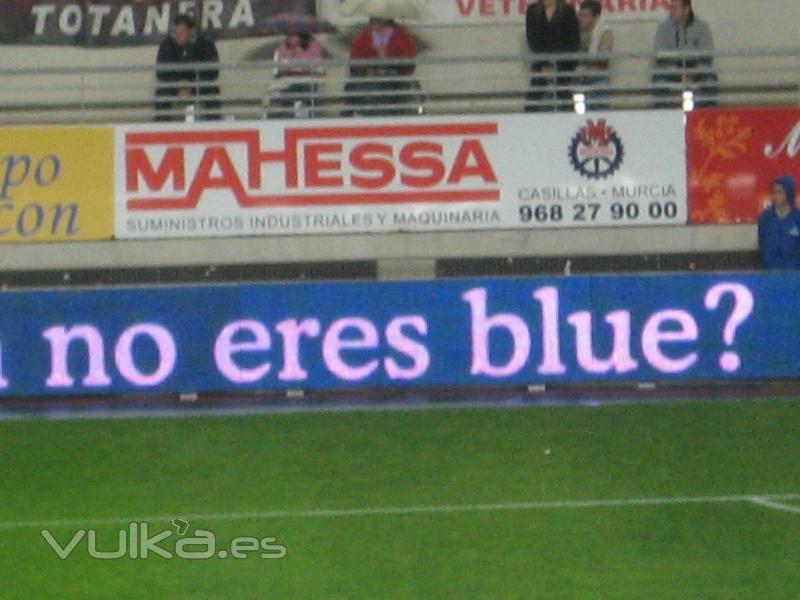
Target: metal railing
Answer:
[[438, 85]]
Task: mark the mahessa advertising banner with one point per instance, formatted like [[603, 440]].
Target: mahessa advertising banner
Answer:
[[377, 175], [400, 334], [733, 155], [131, 22]]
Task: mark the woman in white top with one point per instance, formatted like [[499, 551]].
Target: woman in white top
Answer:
[[597, 38]]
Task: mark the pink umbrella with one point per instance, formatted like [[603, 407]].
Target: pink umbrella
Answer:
[[286, 23]]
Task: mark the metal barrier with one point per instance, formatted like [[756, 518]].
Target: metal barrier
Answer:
[[439, 85]]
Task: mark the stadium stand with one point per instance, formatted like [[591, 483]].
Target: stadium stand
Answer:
[[118, 88]]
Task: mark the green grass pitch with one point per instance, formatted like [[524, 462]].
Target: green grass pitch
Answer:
[[90, 472]]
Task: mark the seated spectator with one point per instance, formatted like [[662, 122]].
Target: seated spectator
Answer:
[[682, 31], [291, 59], [185, 44], [380, 83], [551, 26], [779, 227], [596, 37]]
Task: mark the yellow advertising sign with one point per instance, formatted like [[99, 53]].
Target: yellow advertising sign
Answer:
[[56, 184]]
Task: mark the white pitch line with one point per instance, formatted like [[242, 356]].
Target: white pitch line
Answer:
[[403, 510], [767, 502]]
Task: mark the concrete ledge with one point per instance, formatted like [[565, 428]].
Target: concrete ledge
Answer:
[[379, 247]]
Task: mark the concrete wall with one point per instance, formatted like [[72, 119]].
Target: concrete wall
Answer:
[[399, 252]]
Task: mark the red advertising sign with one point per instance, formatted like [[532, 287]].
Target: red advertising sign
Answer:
[[733, 155], [485, 11], [340, 164]]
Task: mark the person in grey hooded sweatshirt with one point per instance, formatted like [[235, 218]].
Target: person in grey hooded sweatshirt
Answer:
[[682, 31]]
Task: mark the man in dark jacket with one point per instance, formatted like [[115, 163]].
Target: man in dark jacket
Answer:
[[185, 44], [779, 228], [551, 26]]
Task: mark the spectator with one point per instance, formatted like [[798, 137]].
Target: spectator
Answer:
[[376, 83], [682, 31], [185, 44], [383, 38], [779, 227], [596, 37], [291, 59], [551, 26]]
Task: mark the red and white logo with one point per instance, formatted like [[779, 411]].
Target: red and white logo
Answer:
[[596, 152], [359, 164]]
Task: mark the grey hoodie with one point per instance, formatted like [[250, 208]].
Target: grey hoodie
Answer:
[[695, 36]]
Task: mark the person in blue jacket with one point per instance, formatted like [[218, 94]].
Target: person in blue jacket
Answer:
[[779, 227]]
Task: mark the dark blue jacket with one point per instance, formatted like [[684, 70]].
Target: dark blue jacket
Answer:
[[201, 50], [779, 239]]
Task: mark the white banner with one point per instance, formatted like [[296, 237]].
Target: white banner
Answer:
[[473, 12], [414, 174]]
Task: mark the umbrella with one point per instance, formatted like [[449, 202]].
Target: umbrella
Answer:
[[266, 51], [285, 23], [348, 34], [388, 9]]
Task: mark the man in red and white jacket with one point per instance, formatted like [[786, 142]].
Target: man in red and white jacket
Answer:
[[374, 83], [383, 38]]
